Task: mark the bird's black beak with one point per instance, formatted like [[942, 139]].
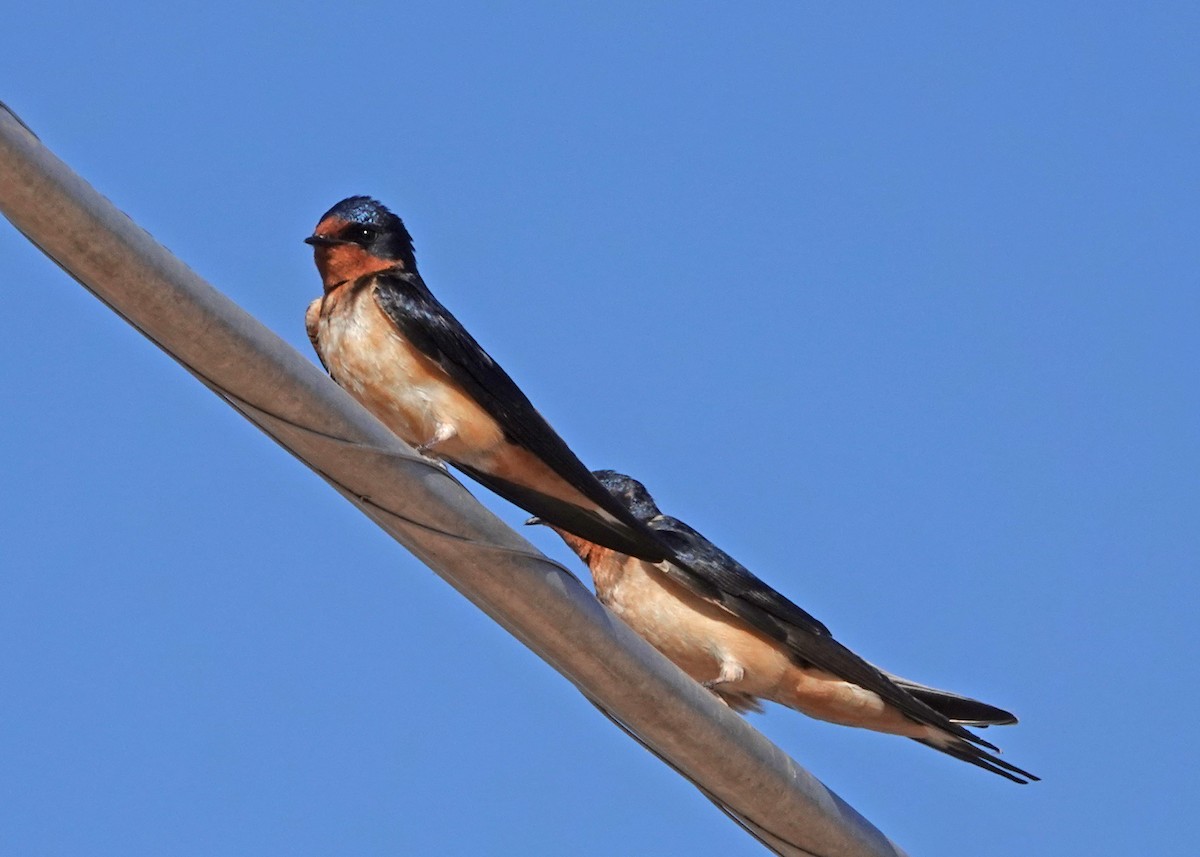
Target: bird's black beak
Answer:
[[535, 521], [323, 241]]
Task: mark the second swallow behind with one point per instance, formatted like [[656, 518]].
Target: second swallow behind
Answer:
[[746, 642]]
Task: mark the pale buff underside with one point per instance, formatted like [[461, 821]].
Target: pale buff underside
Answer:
[[704, 639], [413, 396]]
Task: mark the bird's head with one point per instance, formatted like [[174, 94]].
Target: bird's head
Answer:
[[357, 237], [630, 492], [626, 490]]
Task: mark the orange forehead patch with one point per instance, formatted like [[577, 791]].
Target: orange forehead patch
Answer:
[[331, 226]]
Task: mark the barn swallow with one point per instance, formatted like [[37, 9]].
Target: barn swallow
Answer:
[[746, 642], [384, 337]]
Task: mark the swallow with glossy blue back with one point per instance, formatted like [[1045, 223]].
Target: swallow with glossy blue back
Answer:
[[384, 337], [746, 642]]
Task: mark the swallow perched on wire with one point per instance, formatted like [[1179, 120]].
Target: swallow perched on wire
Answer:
[[384, 337], [746, 642]]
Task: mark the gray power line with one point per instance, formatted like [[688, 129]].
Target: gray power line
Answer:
[[424, 508]]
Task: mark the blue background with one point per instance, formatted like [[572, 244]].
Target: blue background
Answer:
[[899, 306]]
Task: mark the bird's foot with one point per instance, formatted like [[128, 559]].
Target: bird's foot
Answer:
[[444, 432], [731, 673]]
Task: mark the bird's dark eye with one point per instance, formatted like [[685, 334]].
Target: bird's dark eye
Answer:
[[362, 234]]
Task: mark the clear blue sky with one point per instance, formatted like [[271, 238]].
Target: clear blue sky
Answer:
[[899, 306]]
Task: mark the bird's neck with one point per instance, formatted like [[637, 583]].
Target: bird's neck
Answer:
[[342, 263]]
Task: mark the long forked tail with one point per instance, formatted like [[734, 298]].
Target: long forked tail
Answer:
[[954, 746]]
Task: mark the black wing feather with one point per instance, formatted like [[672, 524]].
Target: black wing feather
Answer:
[[584, 523], [959, 708], [716, 575], [429, 326]]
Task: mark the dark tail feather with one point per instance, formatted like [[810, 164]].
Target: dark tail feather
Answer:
[[632, 539], [958, 708], [961, 709], [982, 759]]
